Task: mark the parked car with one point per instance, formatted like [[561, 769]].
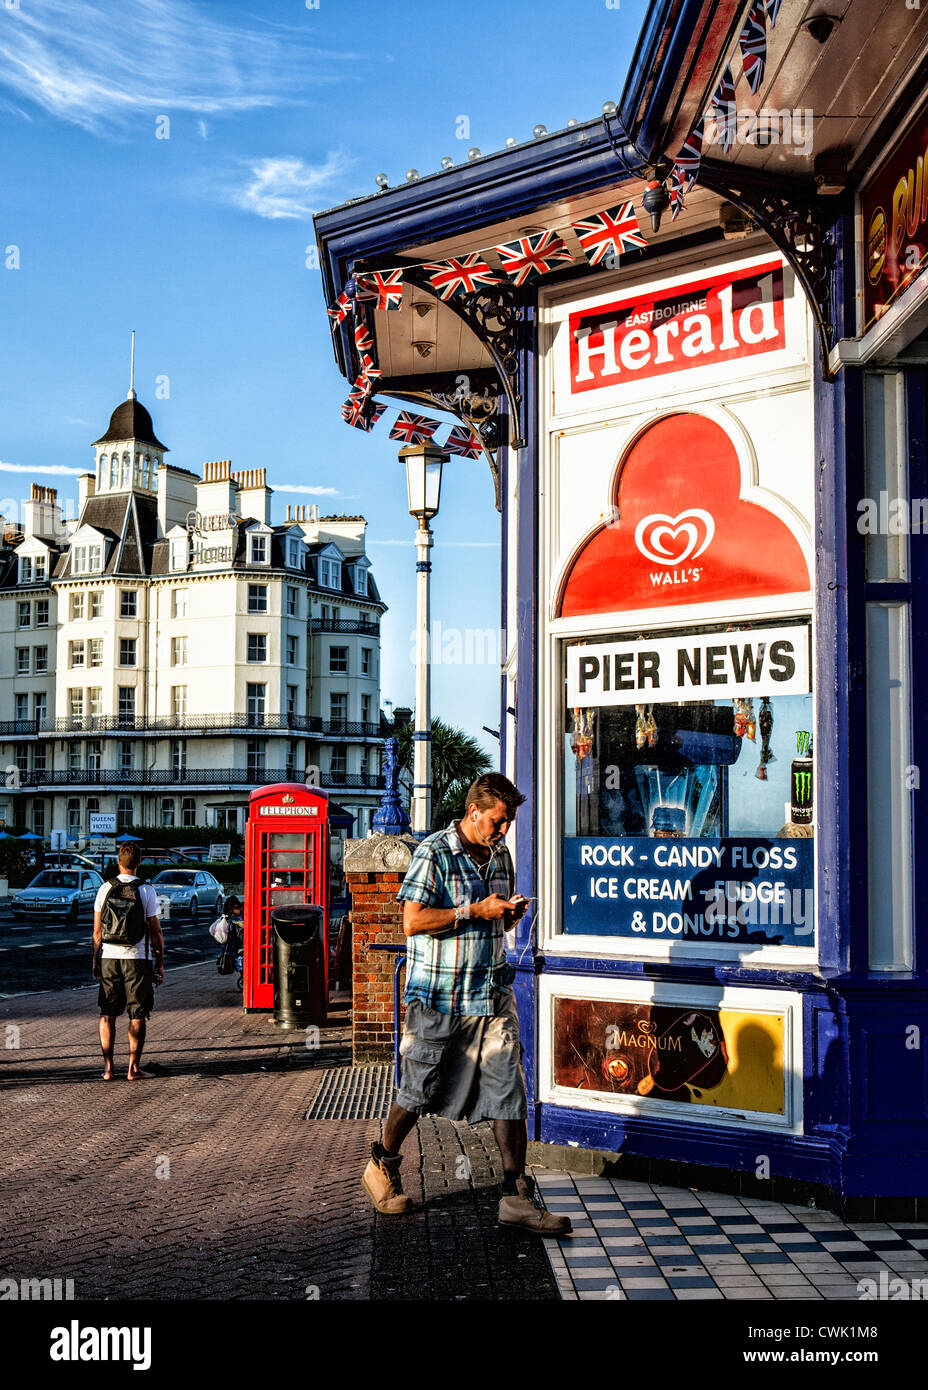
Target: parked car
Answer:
[[70, 859], [189, 890], [198, 853], [160, 858], [58, 893]]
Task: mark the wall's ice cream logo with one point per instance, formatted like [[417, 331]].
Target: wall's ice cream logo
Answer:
[[672, 540], [876, 245]]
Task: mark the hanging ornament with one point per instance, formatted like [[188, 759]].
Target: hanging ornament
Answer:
[[750, 723], [651, 727], [581, 740], [641, 727]]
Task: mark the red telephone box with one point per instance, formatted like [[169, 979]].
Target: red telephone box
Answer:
[[286, 861]]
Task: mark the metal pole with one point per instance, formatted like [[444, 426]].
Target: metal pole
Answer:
[[422, 735]]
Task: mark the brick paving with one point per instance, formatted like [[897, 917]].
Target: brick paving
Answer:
[[208, 1182]]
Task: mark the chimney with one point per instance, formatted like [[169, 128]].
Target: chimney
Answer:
[[177, 495], [86, 488], [42, 513], [217, 492], [254, 495]]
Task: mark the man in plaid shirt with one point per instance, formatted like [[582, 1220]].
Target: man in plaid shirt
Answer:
[[461, 1052]]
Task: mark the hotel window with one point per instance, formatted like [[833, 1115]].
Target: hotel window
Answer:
[[178, 701], [39, 705], [360, 581], [125, 814], [94, 755], [167, 812], [178, 651], [365, 709], [126, 756], [330, 574], [92, 807], [77, 608], [21, 707], [38, 817], [291, 701], [257, 550], [292, 601], [22, 661], [179, 603], [338, 661], [188, 811], [40, 758], [293, 650], [25, 569], [257, 598], [87, 559], [39, 569], [95, 602], [256, 758], [22, 757], [127, 651], [178, 757], [338, 709], [24, 614], [74, 817], [295, 557], [41, 612], [366, 655], [40, 659], [128, 603], [338, 763], [76, 654], [256, 702], [76, 703], [95, 651], [75, 756], [126, 702], [257, 646]]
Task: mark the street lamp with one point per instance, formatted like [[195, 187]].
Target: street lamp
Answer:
[[423, 483]]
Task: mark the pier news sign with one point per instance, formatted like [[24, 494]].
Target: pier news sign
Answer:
[[707, 320]]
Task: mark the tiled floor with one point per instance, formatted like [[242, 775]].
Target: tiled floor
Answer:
[[633, 1241]]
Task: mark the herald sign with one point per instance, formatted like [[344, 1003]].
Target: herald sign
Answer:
[[707, 320], [711, 666]]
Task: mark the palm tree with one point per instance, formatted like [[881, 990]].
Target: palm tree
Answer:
[[457, 760]]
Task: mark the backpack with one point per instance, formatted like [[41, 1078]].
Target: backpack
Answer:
[[122, 916]]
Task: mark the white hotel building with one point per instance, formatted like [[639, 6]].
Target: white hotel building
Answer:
[[174, 649]]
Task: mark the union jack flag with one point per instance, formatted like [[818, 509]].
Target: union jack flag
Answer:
[[772, 9], [689, 158], [677, 190], [368, 418], [463, 441], [340, 310], [383, 288], [532, 255], [413, 429], [361, 388], [609, 233], [457, 277], [724, 109], [753, 44], [369, 369], [362, 338]]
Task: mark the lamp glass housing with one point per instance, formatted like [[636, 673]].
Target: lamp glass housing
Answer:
[[423, 480]]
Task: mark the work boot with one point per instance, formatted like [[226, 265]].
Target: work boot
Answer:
[[527, 1211], [385, 1186]]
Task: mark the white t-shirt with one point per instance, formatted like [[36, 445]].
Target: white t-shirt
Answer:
[[142, 949]]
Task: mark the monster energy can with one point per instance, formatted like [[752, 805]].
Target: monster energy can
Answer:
[[800, 809]]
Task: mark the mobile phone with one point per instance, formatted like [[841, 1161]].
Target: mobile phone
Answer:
[[520, 898]]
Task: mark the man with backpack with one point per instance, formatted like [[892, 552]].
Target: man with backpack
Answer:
[[128, 958]]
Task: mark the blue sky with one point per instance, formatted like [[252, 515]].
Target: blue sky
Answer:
[[198, 242]]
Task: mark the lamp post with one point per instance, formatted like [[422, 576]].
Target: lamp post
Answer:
[[423, 483]]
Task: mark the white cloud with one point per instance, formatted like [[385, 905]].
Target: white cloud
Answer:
[[286, 186], [310, 491], [98, 62], [58, 469]]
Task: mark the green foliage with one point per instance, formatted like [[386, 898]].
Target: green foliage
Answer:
[[457, 759]]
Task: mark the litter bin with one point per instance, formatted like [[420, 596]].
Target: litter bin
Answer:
[[299, 965]]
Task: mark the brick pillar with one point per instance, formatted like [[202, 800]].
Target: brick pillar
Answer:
[[374, 869]]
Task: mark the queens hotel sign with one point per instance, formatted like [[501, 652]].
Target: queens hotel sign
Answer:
[[213, 554]]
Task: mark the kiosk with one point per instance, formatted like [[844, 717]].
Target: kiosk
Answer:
[[286, 862]]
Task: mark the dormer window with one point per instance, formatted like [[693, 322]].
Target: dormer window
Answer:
[[87, 559], [330, 574], [360, 580], [178, 552], [39, 569], [257, 550], [295, 560]]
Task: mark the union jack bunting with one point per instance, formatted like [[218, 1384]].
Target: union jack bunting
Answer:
[[464, 276], [383, 288], [688, 160], [368, 418], [753, 44], [609, 233], [532, 255], [413, 429], [339, 311], [677, 190], [362, 338], [463, 441], [772, 9], [369, 369], [724, 110], [361, 388]]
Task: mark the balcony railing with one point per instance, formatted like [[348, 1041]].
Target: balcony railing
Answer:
[[189, 724], [355, 625], [117, 779]]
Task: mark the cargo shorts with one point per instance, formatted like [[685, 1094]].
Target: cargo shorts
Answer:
[[126, 986], [464, 1067]]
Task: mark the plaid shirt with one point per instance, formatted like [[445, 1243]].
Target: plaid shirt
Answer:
[[456, 971]]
